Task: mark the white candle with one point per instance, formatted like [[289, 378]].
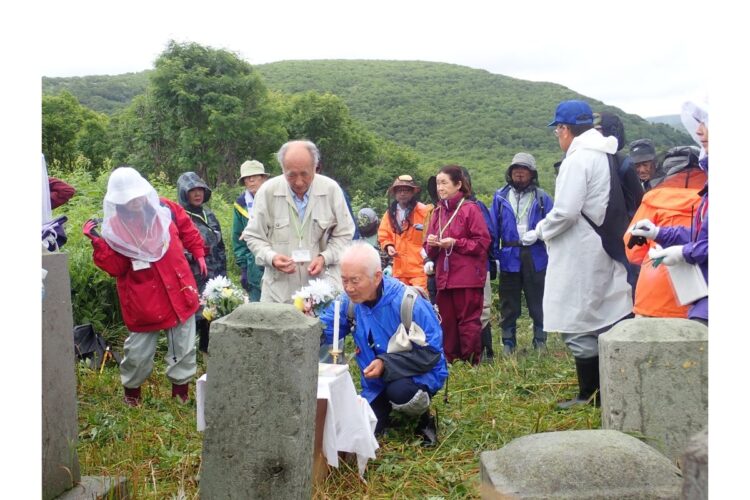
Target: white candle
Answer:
[[336, 310]]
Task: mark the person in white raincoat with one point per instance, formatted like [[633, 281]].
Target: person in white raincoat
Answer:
[[586, 291]]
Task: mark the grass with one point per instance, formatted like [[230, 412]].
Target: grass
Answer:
[[158, 448]]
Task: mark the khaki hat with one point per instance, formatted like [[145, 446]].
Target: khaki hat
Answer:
[[406, 181], [524, 160], [251, 167]]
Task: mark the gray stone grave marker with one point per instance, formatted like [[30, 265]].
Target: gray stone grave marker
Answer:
[[654, 381], [60, 469], [580, 465], [260, 404]]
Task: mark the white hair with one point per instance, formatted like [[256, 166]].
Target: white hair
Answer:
[[311, 147], [363, 252]]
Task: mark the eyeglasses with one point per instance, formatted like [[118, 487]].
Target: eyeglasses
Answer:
[[557, 130], [406, 178]]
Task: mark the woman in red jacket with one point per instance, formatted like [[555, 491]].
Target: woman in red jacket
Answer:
[[458, 242], [141, 245]]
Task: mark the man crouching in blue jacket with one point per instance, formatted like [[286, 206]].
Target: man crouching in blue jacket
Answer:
[[402, 376]]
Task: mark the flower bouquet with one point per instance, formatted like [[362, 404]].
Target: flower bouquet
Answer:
[[315, 297], [220, 297]]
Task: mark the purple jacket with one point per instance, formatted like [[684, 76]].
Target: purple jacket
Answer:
[[466, 266], [695, 249]]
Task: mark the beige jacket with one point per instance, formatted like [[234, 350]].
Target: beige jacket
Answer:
[[273, 227]]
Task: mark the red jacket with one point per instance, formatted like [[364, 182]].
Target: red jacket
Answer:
[[165, 294], [467, 263]]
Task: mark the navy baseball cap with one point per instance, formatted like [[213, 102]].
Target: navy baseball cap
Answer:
[[573, 113]]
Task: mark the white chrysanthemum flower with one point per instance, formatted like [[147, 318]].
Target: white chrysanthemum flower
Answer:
[[214, 286], [321, 290]]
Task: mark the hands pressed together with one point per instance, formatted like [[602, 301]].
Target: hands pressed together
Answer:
[[433, 241]]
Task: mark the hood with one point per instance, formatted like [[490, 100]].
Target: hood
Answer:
[[188, 181], [693, 113], [592, 139], [676, 198]]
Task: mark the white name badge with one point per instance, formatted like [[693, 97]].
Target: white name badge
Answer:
[[140, 264], [301, 255]]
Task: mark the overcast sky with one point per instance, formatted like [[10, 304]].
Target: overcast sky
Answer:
[[637, 58]]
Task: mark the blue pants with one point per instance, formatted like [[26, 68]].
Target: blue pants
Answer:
[[399, 391]]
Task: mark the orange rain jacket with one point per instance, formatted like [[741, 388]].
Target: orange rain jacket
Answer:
[[408, 263], [668, 204]]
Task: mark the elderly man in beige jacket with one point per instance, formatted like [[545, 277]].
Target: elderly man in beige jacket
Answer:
[[299, 226]]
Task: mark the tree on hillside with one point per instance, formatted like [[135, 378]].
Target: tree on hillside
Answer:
[[70, 129], [206, 110], [346, 147]]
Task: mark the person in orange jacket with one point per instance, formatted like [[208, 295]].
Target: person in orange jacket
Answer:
[[671, 201], [400, 232]]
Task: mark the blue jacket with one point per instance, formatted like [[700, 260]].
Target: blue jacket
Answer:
[[382, 321], [510, 256], [490, 227]]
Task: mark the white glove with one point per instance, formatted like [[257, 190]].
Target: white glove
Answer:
[[529, 237], [429, 268], [670, 255], [645, 228]]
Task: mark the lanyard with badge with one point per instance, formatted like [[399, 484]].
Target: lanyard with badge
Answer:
[[299, 254], [441, 230], [520, 214]]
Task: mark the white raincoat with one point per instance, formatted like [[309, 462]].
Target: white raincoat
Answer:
[[585, 289]]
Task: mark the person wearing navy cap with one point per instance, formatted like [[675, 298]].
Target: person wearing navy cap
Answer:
[[586, 291]]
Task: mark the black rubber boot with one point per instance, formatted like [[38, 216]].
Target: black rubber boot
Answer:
[[588, 383], [427, 429], [487, 353], [509, 341], [539, 342]]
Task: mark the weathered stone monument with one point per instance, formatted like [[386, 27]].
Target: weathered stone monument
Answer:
[[654, 381], [581, 465], [260, 404], [60, 470], [694, 465]]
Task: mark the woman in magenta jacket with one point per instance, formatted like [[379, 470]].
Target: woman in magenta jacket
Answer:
[[141, 245], [458, 242]]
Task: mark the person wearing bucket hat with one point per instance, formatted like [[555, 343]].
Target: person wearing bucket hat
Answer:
[[299, 226], [643, 156], [686, 243], [400, 232], [252, 176], [670, 202], [586, 291], [193, 193], [141, 246], [519, 205]]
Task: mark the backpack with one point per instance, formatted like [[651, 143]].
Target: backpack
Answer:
[[91, 347], [631, 187], [407, 306], [616, 218]]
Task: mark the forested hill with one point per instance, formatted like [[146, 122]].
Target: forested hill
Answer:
[[102, 93], [451, 113], [447, 113]]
